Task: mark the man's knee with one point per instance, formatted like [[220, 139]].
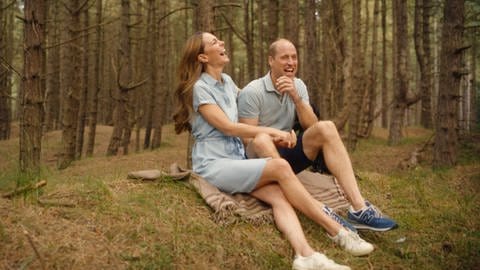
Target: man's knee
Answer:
[[325, 129]]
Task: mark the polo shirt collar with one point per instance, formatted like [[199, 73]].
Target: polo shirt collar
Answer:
[[267, 80]]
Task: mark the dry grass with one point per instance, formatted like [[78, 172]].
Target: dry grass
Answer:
[[93, 217]]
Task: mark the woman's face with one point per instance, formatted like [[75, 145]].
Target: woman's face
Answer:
[[213, 51]]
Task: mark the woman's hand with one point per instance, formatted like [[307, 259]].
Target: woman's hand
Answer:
[[285, 139]]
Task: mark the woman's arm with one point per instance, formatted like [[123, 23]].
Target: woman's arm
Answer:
[[217, 118]]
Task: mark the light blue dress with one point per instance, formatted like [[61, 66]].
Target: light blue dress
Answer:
[[218, 158]]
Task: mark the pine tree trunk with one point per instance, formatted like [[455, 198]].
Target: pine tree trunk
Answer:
[[291, 21], [151, 59], [422, 49], [357, 71], [204, 15], [52, 96], [446, 128], [71, 84], [310, 64], [5, 89], [162, 89], [96, 85], [82, 112], [401, 78], [384, 66], [122, 115], [32, 112]]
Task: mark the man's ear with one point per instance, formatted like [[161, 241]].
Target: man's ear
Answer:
[[202, 58], [270, 60]]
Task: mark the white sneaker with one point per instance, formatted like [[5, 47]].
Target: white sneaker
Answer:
[[352, 243], [316, 261]]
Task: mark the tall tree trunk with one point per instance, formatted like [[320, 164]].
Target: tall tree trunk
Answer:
[[384, 66], [52, 95], [32, 99], [446, 122], [473, 99], [248, 26], [291, 21], [422, 49], [311, 65], [96, 85], [401, 78], [82, 112], [151, 59], [272, 30], [123, 113], [357, 71], [162, 89], [71, 83], [371, 89], [5, 89], [204, 15]]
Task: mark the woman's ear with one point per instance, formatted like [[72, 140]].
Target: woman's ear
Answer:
[[202, 58]]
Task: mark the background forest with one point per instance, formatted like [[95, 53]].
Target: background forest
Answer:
[[86, 95], [70, 65]]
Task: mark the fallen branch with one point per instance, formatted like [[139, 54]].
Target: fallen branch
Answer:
[[30, 240], [53, 203], [22, 190]]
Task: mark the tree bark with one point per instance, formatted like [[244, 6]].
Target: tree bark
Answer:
[[53, 93], [451, 55], [422, 49], [97, 80], [123, 110], [32, 112], [71, 83], [384, 66], [204, 15], [310, 64], [401, 78], [357, 71], [5, 74], [82, 112]]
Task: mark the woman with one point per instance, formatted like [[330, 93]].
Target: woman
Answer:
[[207, 107]]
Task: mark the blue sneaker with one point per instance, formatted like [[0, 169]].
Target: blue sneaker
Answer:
[[338, 219], [370, 219]]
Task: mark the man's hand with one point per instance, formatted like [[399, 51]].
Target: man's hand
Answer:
[[287, 141], [285, 85]]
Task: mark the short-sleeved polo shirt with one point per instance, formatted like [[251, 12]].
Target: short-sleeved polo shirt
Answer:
[[259, 99]]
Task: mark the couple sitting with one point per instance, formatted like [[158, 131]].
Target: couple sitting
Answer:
[[260, 128]]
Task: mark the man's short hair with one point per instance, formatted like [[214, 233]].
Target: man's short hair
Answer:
[[272, 50]]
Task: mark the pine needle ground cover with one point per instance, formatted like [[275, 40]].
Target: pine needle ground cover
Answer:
[[90, 216]]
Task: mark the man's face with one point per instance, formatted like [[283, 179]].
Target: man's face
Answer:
[[284, 62]]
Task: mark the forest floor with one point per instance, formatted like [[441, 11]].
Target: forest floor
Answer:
[[91, 216]]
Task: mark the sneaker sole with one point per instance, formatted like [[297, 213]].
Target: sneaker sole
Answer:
[[359, 226]]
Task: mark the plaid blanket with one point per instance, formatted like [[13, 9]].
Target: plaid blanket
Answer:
[[229, 208]]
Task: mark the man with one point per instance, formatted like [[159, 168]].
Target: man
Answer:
[[274, 100]]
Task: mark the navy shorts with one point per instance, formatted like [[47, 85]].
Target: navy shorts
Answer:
[[299, 161]]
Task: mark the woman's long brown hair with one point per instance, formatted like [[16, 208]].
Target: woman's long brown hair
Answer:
[[189, 71]]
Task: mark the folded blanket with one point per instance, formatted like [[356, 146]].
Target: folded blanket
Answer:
[[229, 208]]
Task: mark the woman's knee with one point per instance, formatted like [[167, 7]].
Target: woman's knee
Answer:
[[281, 167]]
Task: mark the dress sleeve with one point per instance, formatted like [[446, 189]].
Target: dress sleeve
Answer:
[[202, 94]]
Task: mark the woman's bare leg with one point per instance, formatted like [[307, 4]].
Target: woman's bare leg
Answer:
[[279, 171], [285, 217]]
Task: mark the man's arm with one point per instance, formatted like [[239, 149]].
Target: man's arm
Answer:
[[305, 113]]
